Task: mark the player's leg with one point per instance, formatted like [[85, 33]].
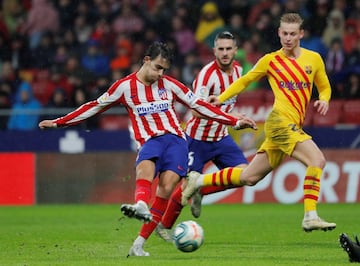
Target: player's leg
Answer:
[[171, 164], [167, 181], [257, 169], [144, 175], [171, 214], [308, 153], [225, 153], [198, 154]]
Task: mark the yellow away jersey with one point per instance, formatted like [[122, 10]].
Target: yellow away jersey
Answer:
[[291, 81]]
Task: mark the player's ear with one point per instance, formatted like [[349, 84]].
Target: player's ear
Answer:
[[146, 59], [301, 33]]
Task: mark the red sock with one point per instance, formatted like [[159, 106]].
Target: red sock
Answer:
[[173, 210], [157, 210], [142, 190], [213, 189]]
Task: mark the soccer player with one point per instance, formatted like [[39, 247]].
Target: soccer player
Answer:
[[291, 72], [148, 96], [208, 140]]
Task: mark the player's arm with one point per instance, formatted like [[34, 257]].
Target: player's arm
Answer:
[[209, 111], [258, 71], [85, 111], [322, 83]]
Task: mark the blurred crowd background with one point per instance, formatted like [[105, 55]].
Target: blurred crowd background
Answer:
[[62, 53]]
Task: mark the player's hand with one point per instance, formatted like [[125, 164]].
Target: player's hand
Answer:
[[321, 106], [245, 122], [47, 124], [214, 100]]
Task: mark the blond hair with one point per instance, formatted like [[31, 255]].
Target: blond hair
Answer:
[[292, 18]]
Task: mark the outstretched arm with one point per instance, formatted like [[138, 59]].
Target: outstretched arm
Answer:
[[47, 124]]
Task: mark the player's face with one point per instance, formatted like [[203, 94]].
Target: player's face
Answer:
[[155, 68], [224, 51], [290, 35]]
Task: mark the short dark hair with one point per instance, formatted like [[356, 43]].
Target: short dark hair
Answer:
[[225, 35], [159, 48]]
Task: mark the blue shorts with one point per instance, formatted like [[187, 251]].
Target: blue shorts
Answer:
[[168, 152], [223, 153]]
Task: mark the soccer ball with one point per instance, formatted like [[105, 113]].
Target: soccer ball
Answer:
[[188, 236]]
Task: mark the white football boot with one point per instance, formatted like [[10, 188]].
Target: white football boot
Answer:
[[139, 211]]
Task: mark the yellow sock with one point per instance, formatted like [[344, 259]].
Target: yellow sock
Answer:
[[224, 177], [311, 188]]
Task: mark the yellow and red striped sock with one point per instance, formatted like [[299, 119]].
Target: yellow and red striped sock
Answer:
[[311, 188], [225, 177]]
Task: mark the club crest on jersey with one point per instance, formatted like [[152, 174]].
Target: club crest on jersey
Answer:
[[162, 93], [308, 70], [103, 98]]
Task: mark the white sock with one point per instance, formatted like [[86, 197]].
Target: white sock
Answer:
[[200, 181], [139, 241], [310, 215]]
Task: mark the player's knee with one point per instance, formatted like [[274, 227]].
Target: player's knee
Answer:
[[320, 162], [251, 181]]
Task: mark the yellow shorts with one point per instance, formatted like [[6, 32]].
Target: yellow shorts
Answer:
[[281, 137]]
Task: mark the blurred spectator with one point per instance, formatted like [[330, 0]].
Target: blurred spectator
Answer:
[[350, 89], [77, 75], [354, 14], [4, 32], [20, 54], [137, 51], [183, 36], [351, 35], [69, 39], [103, 34], [41, 18], [79, 97], [335, 57], [123, 51], [353, 58], [334, 63], [209, 21], [128, 21], [13, 15], [264, 35], [61, 54], [25, 110], [94, 60], [318, 16], [238, 28], [4, 105], [43, 54], [312, 41], [58, 99], [5, 50], [256, 9], [191, 68], [352, 86], [59, 80], [41, 86], [335, 27], [158, 16], [82, 29], [67, 11], [10, 77]]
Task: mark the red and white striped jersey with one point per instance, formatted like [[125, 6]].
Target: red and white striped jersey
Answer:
[[211, 80], [150, 107]]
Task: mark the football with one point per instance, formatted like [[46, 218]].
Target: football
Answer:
[[188, 236]]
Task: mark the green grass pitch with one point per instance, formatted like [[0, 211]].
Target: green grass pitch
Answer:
[[256, 234]]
